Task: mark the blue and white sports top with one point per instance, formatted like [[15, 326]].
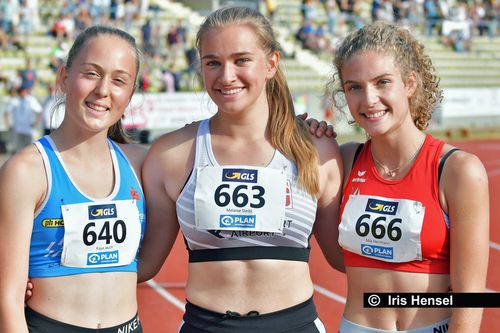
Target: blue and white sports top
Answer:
[[76, 234], [205, 244]]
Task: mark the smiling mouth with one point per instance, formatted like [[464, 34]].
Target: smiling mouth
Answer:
[[96, 107], [231, 91], [376, 114]]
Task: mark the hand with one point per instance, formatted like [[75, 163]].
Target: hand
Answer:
[[318, 128], [29, 291]]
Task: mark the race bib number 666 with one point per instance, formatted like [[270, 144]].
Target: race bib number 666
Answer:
[[382, 228]]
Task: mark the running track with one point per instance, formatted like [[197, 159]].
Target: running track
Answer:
[[161, 300]]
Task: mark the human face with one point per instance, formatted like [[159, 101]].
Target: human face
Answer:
[[376, 94], [235, 68], [100, 83]]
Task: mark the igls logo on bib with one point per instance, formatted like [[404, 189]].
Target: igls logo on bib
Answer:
[[102, 211], [381, 207], [239, 175]]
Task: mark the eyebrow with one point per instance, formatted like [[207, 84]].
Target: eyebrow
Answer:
[[237, 54], [119, 71], [375, 78]]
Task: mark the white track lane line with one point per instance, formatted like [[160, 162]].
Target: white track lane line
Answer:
[[166, 295], [495, 246], [329, 294]]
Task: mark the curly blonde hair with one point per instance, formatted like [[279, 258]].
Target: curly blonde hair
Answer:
[[408, 55]]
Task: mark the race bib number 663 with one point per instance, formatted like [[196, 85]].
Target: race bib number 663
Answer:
[[240, 198]]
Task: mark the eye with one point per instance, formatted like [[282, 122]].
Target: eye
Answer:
[[91, 74], [384, 82], [242, 61], [212, 63], [120, 81], [352, 87]]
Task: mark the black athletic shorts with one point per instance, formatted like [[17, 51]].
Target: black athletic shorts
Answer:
[[38, 323], [301, 318]]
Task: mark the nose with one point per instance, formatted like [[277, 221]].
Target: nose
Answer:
[[102, 87], [371, 96], [228, 74]]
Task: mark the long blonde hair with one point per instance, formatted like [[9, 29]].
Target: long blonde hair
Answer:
[[288, 134]]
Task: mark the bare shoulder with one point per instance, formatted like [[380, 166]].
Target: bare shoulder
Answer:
[[462, 175], [462, 166], [22, 177], [170, 159], [327, 148], [177, 143], [177, 138], [25, 162]]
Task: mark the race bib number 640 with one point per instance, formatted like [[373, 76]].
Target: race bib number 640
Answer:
[[100, 234]]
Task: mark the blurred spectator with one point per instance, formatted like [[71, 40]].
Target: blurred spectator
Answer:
[[146, 32], [172, 37], [331, 10], [23, 113], [28, 75], [144, 80], [99, 10], [305, 34], [28, 16], [385, 11], [10, 18], [131, 13], [82, 19], [181, 32], [432, 16], [193, 60], [58, 30], [457, 41], [308, 10]]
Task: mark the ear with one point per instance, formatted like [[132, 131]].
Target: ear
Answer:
[[272, 65], [411, 84], [61, 79]]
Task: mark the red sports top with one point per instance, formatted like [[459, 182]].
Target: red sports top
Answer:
[[419, 185]]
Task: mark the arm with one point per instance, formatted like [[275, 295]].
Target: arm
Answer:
[[161, 218], [469, 232], [19, 196], [326, 225]]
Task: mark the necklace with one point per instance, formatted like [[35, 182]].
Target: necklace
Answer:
[[392, 172]]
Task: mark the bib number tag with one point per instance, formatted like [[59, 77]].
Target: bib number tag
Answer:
[[382, 228], [228, 198], [100, 235]]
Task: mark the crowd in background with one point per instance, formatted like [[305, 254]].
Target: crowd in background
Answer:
[[455, 22]]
